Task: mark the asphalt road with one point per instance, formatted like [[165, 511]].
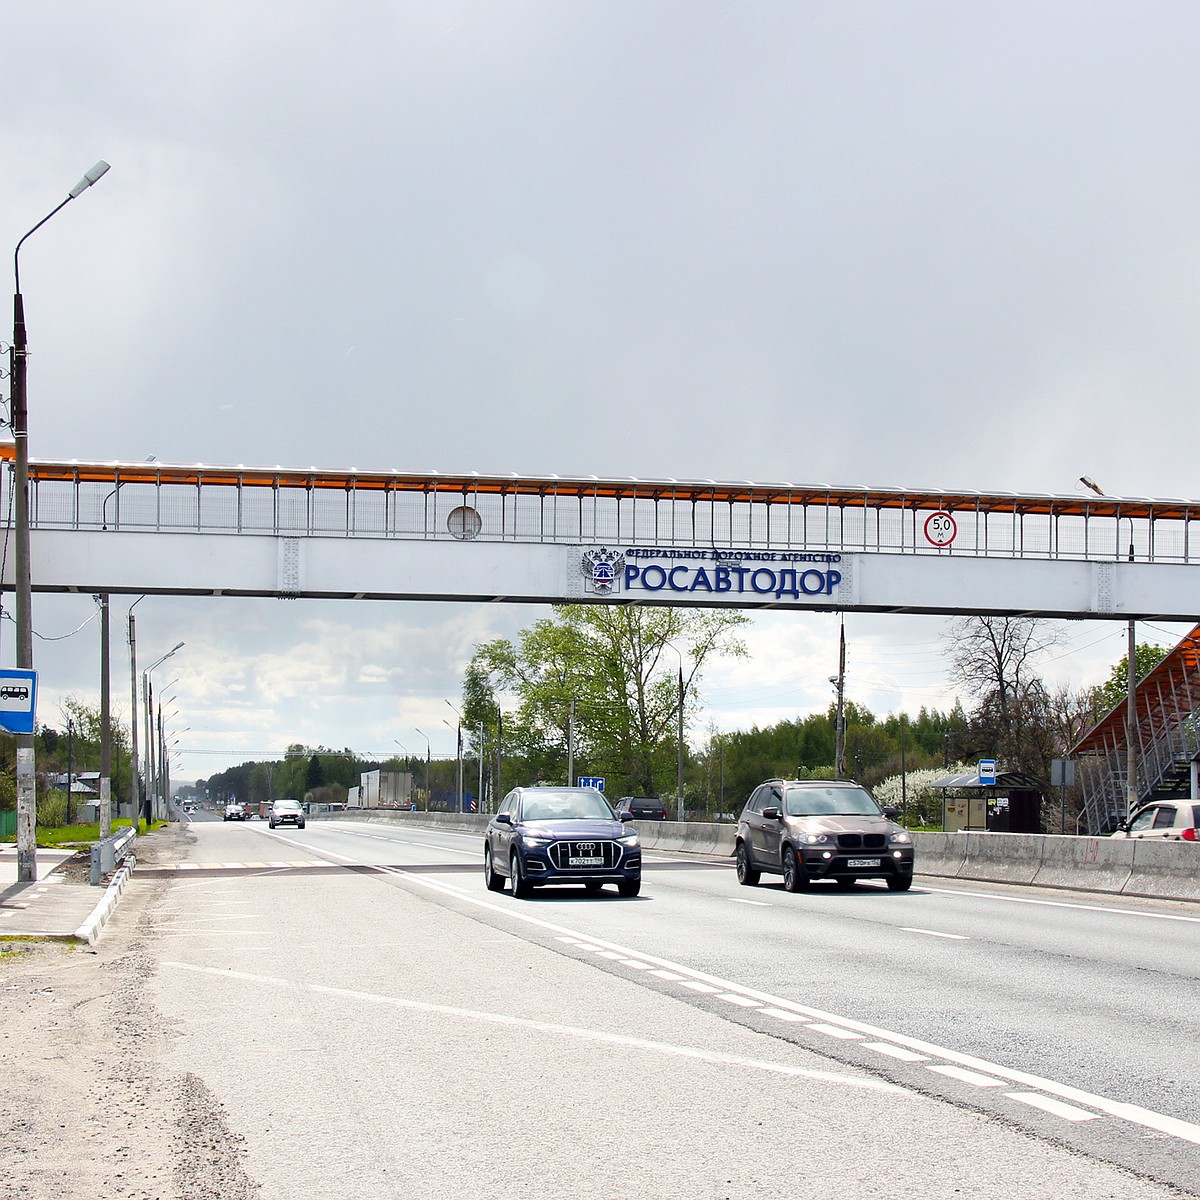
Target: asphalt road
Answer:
[[372, 1020]]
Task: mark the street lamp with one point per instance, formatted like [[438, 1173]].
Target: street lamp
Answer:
[[148, 703], [1131, 792], [428, 755], [22, 583], [458, 735], [679, 781]]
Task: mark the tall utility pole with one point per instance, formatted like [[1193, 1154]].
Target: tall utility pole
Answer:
[[839, 682], [105, 727], [571, 743], [1131, 729], [22, 582], [134, 800]]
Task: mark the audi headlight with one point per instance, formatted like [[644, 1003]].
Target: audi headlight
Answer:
[[534, 843], [900, 838], [629, 840]]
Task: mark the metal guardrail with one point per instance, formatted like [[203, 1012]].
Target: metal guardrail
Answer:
[[107, 851]]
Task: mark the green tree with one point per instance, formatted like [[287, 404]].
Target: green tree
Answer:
[[611, 673], [1114, 690]]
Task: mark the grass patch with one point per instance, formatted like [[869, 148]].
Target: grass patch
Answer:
[[50, 838]]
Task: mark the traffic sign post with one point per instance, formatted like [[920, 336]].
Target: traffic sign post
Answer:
[[987, 772]]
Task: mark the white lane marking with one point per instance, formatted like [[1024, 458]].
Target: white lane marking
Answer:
[[670, 976], [591, 1035], [635, 963], [958, 937], [695, 985], [1067, 1111], [971, 1077], [1134, 1113], [837, 1031], [757, 903], [740, 1001], [610, 954], [896, 1052], [1100, 908], [781, 1014]]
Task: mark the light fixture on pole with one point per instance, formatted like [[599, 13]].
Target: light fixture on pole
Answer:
[[23, 583]]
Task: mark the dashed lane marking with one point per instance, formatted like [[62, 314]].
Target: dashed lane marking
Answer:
[[974, 1078], [1068, 1112]]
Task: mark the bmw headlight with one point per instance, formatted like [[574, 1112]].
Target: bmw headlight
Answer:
[[900, 838], [814, 839]]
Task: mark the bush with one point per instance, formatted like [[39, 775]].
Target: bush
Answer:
[[52, 809]]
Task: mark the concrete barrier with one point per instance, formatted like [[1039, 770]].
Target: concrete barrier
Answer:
[[1001, 857], [1087, 863], [1166, 870], [939, 853]]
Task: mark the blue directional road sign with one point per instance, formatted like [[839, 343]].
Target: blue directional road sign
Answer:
[[987, 772], [18, 699], [594, 781]]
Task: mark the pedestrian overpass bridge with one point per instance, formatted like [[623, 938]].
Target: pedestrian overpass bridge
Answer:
[[156, 528]]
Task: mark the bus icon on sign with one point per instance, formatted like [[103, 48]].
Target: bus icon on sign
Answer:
[[14, 692]]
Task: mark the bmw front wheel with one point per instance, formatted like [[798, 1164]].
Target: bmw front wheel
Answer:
[[746, 874], [795, 878]]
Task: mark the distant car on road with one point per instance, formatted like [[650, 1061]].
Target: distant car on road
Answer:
[[549, 835], [286, 812], [642, 808], [806, 830], [1167, 820], [235, 812]]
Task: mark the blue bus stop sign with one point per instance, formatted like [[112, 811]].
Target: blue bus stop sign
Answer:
[[987, 772], [18, 700]]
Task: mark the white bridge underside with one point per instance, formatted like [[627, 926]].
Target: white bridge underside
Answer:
[[243, 564]]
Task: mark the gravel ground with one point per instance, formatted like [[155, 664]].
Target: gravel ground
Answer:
[[86, 1108]]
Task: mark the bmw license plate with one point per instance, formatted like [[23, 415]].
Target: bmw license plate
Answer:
[[575, 861], [853, 863]]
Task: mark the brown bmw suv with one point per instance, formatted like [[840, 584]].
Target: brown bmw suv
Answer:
[[807, 830]]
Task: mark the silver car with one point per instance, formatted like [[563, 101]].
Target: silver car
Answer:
[[286, 812], [807, 830]]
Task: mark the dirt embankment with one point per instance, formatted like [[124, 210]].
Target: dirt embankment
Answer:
[[88, 1107]]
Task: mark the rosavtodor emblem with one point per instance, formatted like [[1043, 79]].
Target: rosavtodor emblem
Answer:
[[602, 569]]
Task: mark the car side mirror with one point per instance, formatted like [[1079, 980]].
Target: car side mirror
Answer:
[[772, 813], [504, 818], [624, 816], [891, 812]]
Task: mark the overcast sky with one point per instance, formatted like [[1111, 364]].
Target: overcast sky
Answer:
[[921, 244]]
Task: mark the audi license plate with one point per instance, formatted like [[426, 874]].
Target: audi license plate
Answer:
[[576, 861], [861, 863]]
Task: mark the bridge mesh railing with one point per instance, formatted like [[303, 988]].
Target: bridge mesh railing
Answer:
[[785, 521]]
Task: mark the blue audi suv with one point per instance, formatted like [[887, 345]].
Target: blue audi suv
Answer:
[[557, 835]]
